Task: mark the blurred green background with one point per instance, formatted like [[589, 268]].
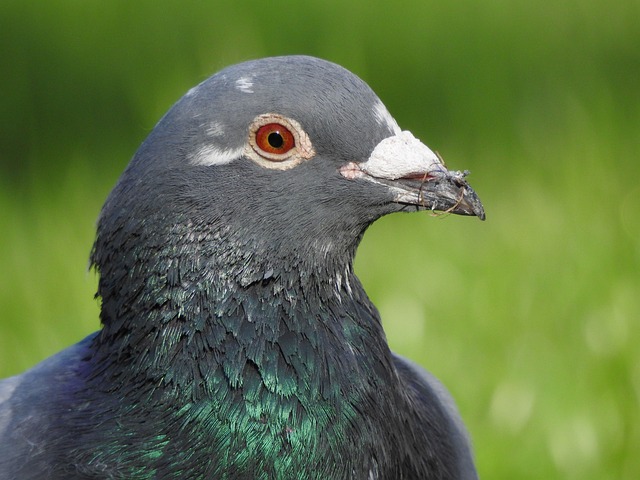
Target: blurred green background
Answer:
[[530, 318]]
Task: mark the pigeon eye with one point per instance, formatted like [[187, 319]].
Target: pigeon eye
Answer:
[[278, 142], [275, 138]]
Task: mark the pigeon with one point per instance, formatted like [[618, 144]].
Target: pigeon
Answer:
[[236, 342]]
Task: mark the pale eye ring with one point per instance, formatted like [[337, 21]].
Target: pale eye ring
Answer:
[[278, 142]]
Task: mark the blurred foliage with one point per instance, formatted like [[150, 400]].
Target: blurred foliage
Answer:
[[531, 318]]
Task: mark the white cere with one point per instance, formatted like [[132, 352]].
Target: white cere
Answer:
[[400, 156]]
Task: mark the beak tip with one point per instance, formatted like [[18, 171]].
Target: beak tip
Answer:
[[472, 203]]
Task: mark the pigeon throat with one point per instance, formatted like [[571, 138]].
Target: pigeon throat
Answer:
[[255, 360], [193, 302]]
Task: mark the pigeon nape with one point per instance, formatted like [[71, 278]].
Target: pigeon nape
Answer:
[[236, 340]]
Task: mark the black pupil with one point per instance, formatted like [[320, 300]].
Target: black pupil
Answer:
[[275, 140]]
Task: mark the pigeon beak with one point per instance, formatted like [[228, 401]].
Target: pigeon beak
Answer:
[[417, 177]]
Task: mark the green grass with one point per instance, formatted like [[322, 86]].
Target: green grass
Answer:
[[530, 318]]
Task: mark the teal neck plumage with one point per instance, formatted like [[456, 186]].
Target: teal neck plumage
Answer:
[[263, 372]]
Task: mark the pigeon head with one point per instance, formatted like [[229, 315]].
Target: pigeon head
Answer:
[[237, 341], [276, 158]]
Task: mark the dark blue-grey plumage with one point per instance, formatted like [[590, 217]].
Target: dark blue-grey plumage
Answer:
[[236, 340]]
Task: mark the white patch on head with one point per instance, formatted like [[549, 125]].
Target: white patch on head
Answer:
[[400, 156], [244, 84], [384, 117], [209, 155], [214, 129]]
